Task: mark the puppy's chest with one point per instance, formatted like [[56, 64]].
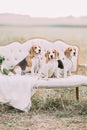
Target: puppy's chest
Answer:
[[35, 61], [52, 67], [68, 63], [35, 64]]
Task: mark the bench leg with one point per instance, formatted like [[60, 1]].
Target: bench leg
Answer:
[[77, 93]]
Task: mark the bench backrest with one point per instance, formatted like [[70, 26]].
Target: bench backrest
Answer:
[[15, 52]]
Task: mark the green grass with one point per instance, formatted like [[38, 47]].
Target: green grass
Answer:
[[61, 102], [63, 106]]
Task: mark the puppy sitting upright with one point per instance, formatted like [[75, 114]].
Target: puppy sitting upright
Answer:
[[67, 61], [31, 63], [49, 67]]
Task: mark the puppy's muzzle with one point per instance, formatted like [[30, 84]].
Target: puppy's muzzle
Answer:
[[39, 50], [74, 53], [51, 56]]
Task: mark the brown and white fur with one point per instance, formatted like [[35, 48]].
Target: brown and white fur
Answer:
[[49, 66], [30, 63], [67, 60]]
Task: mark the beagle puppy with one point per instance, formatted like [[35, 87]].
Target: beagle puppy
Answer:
[[49, 66], [67, 60], [30, 63]]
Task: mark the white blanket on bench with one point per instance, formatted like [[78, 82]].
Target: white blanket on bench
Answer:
[[17, 91]]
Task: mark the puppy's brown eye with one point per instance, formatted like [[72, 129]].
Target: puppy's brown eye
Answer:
[[35, 47], [70, 49]]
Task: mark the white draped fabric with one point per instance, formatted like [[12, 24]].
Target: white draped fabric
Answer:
[[17, 90]]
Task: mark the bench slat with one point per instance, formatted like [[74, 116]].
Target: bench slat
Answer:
[[71, 81]]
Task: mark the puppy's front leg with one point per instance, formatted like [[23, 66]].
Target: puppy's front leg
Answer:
[[69, 72], [37, 69], [46, 77], [32, 71], [42, 75], [57, 75], [65, 73]]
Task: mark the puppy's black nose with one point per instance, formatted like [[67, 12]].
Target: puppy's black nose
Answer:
[[39, 50], [51, 56], [74, 53]]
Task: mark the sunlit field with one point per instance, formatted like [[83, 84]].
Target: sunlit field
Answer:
[[72, 35]]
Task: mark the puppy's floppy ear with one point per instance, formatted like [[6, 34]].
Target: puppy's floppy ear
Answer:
[[31, 51], [70, 49], [67, 52], [56, 53], [47, 56]]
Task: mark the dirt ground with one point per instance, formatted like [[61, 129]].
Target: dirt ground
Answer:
[[13, 120], [50, 122]]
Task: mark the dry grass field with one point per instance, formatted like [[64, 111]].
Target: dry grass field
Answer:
[[51, 109]]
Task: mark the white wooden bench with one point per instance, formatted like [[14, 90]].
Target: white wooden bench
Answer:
[[15, 52]]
